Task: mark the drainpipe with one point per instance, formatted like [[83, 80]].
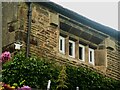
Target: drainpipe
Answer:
[[0, 28], [29, 29], [119, 15]]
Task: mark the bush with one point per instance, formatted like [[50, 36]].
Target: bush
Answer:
[[37, 71], [87, 79]]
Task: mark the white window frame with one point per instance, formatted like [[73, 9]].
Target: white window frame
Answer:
[[73, 50], [91, 50], [83, 52], [63, 44]]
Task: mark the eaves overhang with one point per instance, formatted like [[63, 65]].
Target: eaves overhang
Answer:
[[82, 31], [79, 18]]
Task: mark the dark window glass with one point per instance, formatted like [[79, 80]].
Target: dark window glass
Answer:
[[70, 48], [61, 44], [80, 53], [90, 56]]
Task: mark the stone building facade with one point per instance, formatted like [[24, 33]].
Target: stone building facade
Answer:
[[62, 34]]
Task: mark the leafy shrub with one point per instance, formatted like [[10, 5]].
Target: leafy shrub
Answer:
[[37, 71], [87, 79], [61, 82]]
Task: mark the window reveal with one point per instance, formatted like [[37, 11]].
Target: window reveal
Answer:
[[81, 52], [71, 48], [62, 44], [91, 56]]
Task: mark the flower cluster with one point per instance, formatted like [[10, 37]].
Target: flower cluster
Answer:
[[25, 88], [5, 56], [8, 87]]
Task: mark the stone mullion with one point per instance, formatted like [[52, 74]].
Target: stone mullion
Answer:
[[67, 46], [77, 49], [87, 54]]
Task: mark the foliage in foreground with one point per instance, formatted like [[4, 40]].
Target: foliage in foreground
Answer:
[[37, 71]]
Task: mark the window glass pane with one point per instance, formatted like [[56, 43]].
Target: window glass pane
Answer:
[[61, 44], [80, 53], [90, 56], [70, 49]]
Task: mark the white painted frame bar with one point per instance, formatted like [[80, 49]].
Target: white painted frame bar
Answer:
[[83, 52], [91, 50], [73, 49], [63, 44]]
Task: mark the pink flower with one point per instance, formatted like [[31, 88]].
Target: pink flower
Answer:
[[5, 56], [25, 88]]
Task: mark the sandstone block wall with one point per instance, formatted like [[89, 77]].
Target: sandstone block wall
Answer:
[[44, 38], [113, 64]]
